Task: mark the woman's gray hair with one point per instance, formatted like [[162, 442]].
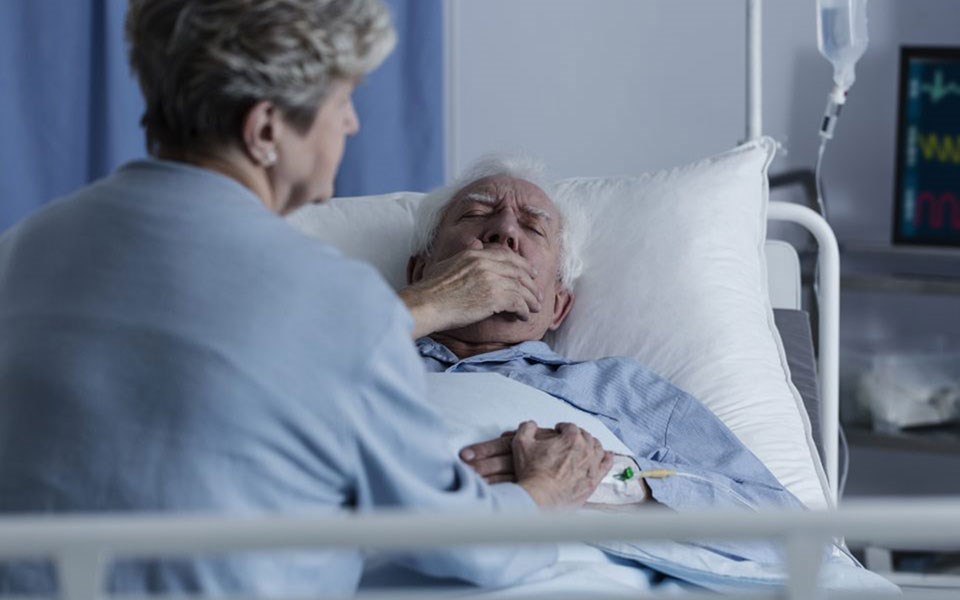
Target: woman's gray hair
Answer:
[[573, 221], [202, 64]]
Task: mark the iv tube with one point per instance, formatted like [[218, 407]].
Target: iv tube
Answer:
[[842, 39]]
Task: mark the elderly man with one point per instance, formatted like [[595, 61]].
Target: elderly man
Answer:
[[492, 274], [493, 270]]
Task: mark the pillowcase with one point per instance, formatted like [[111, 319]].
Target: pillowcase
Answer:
[[674, 276], [375, 229]]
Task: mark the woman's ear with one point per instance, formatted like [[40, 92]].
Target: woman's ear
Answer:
[[562, 303], [261, 131]]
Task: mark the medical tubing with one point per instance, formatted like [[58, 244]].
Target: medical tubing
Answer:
[[844, 464], [831, 114], [821, 198], [830, 117], [827, 126]]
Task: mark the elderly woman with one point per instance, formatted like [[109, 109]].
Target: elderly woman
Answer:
[[168, 343]]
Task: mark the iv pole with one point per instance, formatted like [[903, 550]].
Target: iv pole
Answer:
[[754, 69]]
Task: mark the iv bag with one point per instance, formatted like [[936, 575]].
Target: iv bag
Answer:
[[842, 38]]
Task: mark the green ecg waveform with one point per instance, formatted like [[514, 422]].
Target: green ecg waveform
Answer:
[[938, 90]]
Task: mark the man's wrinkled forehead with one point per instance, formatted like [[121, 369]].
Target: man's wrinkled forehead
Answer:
[[493, 190]]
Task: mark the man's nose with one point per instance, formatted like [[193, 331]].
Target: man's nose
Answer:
[[503, 231]]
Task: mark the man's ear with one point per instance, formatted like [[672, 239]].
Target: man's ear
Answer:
[[415, 269], [562, 303], [261, 133]]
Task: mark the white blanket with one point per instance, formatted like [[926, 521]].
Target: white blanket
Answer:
[[481, 406]]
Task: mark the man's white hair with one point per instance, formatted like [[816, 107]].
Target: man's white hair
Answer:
[[573, 222]]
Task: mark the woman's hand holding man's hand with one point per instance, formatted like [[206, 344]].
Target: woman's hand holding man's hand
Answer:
[[558, 467]]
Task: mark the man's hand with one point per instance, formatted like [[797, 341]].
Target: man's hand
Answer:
[[471, 286], [558, 467], [493, 459]]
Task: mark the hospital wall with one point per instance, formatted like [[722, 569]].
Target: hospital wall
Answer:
[[600, 87]]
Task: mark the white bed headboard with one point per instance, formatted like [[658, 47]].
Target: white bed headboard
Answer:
[[783, 274]]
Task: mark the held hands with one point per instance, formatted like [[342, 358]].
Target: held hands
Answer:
[[471, 286], [558, 467]]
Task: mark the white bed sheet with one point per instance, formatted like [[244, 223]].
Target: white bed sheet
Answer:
[[581, 571], [480, 406]]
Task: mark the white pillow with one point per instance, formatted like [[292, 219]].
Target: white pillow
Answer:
[[674, 276], [375, 229]]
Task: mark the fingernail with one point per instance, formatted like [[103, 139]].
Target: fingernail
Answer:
[[467, 454]]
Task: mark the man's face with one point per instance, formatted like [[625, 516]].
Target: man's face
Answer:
[[515, 214]]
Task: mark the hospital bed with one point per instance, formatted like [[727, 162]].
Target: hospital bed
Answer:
[[82, 547], [725, 242]]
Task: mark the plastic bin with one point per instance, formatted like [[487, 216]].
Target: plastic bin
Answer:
[[900, 390]]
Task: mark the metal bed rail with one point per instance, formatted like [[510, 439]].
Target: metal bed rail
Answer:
[[81, 547], [828, 338]]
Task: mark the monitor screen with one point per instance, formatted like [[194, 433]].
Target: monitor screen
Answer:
[[927, 206]]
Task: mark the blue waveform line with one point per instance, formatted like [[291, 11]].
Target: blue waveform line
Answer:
[[938, 90]]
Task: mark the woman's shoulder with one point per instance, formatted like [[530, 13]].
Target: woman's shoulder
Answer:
[[325, 267]]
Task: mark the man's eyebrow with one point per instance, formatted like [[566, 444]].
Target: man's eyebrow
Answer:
[[490, 200], [481, 197], [537, 212]]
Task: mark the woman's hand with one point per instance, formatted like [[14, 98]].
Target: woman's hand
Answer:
[[493, 459], [471, 286], [558, 467]]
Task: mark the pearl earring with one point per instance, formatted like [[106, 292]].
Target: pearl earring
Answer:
[[270, 158]]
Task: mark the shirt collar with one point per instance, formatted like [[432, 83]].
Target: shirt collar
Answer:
[[534, 350], [214, 181]]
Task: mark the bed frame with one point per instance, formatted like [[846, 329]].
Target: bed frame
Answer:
[[81, 547], [784, 279]]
